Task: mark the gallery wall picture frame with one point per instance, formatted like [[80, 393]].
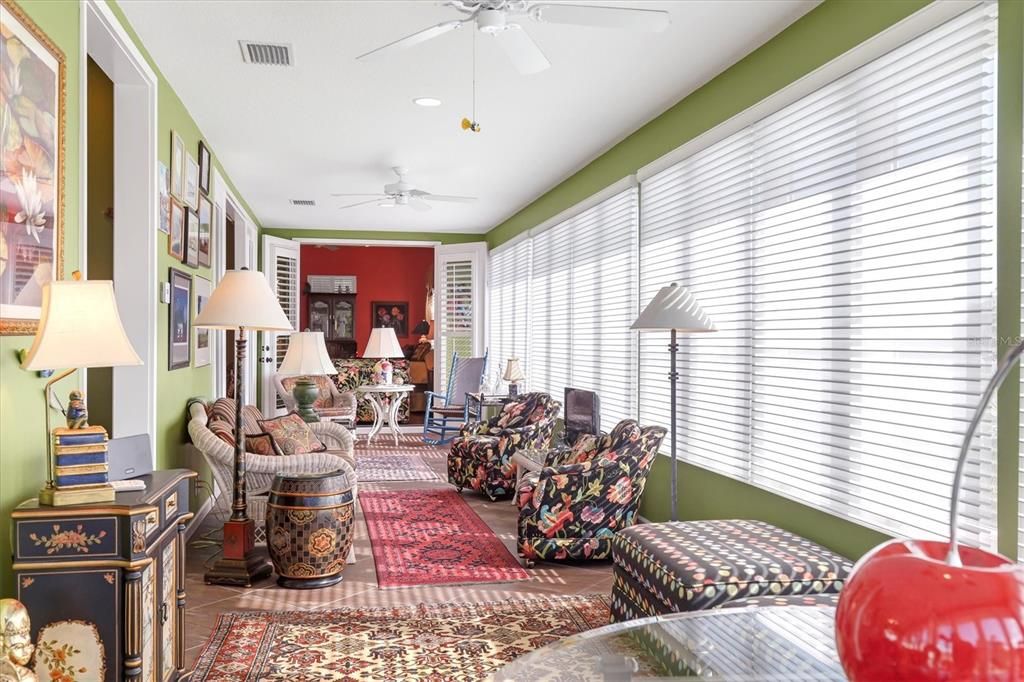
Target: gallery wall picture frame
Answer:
[[201, 336], [32, 190], [394, 314], [191, 238], [163, 219], [176, 236], [205, 231], [191, 189], [179, 320], [204, 168], [177, 167]]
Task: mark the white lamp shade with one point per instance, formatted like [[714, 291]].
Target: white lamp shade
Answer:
[[513, 372], [307, 355], [674, 307], [80, 327], [243, 299], [383, 344]]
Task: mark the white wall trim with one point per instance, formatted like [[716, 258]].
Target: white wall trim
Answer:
[[135, 207], [366, 242], [886, 41]]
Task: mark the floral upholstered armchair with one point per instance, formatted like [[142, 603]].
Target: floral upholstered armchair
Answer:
[[481, 454], [573, 507], [355, 372]]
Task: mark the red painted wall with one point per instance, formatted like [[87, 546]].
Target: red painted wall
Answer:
[[383, 273]]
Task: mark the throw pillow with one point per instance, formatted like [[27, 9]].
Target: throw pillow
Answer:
[[261, 444], [292, 435], [223, 430]]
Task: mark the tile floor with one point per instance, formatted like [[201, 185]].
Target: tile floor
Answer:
[[359, 588]]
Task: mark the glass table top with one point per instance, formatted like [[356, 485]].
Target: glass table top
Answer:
[[773, 643]]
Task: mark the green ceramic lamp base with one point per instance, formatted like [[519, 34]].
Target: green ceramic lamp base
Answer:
[[305, 391]]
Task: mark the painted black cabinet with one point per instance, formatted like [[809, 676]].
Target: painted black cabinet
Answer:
[[335, 316], [119, 566]]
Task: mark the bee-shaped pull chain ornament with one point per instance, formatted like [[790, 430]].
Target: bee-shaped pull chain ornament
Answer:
[[470, 125]]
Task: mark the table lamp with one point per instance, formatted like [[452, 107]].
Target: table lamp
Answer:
[[383, 344], [674, 308], [79, 327], [513, 375], [242, 301], [306, 357]]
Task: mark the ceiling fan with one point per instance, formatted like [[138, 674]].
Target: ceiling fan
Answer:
[[499, 18], [404, 193]]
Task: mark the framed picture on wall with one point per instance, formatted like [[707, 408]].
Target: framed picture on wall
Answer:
[[201, 337], [204, 168], [32, 102], [176, 237], [179, 341], [394, 314], [191, 198], [163, 218], [205, 230], [191, 238], [177, 166]]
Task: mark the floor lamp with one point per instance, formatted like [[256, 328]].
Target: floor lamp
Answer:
[[242, 301], [674, 308]]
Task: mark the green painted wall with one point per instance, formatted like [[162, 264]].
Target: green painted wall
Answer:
[[22, 442], [443, 237], [826, 32]]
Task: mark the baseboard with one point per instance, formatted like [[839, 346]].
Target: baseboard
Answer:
[[204, 510]]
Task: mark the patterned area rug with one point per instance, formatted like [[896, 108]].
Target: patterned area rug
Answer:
[[425, 642], [432, 537], [397, 465]]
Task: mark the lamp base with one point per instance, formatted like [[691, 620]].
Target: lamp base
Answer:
[[242, 564], [305, 391], [63, 497]]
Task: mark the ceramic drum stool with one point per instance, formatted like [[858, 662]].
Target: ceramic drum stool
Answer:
[[310, 518]]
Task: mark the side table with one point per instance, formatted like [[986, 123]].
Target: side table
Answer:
[[527, 461], [476, 402], [385, 400]]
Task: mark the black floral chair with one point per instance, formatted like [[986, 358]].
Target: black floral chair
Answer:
[[573, 507], [481, 454]]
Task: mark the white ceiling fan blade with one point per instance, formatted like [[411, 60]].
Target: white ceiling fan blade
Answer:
[[418, 204], [448, 197], [362, 194], [361, 203], [521, 49], [653, 20], [416, 38]]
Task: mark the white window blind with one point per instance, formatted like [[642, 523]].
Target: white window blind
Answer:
[[547, 368], [508, 285], [844, 247], [1020, 430]]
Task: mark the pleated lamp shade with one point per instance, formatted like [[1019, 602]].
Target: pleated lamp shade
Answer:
[[243, 300], [80, 327], [307, 355], [674, 307]]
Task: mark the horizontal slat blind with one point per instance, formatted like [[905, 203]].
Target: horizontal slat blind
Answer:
[[508, 280], [547, 368], [844, 248], [456, 307]]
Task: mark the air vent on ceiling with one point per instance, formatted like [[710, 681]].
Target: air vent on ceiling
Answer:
[[303, 202], [279, 54]]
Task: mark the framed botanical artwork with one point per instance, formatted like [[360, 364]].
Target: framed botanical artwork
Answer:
[[163, 219], [32, 102], [179, 338], [204, 168], [201, 337], [205, 230], [191, 238], [176, 237], [191, 198], [177, 167], [394, 314]]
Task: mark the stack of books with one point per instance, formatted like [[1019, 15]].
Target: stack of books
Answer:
[[81, 473]]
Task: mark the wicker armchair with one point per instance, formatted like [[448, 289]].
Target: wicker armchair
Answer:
[[261, 469], [331, 403]]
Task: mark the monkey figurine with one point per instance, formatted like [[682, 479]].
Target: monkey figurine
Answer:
[[77, 414], [15, 642]]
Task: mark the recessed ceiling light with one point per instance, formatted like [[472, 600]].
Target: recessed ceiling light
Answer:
[[427, 101]]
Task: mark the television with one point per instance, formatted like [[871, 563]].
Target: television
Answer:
[[582, 414]]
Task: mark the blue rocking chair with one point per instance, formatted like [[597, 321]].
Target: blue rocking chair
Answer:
[[447, 412]]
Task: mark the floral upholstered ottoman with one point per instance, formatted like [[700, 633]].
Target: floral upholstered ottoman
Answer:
[[693, 565]]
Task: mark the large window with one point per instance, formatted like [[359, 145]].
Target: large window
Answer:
[[844, 247], [508, 288]]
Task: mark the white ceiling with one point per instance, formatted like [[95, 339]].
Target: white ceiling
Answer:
[[332, 124]]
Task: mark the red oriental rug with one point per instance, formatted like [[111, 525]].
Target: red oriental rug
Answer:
[[432, 537], [415, 643]]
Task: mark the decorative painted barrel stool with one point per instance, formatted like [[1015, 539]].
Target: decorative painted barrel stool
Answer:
[[309, 528]]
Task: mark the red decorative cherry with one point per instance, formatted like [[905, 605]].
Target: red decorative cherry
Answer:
[[905, 614]]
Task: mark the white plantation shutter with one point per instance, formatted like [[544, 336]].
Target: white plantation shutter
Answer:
[[844, 248], [456, 313], [508, 285], [1020, 429]]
